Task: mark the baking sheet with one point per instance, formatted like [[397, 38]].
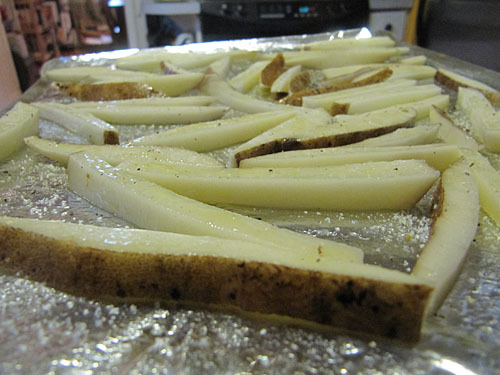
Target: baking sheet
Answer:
[[46, 331]]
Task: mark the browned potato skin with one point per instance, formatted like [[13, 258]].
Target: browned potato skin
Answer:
[[300, 82], [368, 307], [111, 138], [290, 144], [296, 98], [444, 80], [107, 91], [273, 70]]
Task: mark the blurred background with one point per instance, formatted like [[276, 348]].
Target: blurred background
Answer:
[[34, 31]]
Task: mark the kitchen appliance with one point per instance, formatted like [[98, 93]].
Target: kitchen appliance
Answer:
[[236, 19]]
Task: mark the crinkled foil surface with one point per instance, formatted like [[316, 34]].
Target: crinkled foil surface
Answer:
[[44, 331]]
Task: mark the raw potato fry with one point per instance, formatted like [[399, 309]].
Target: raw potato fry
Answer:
[[208, 136], [454, 80], [300, 82], [488, 181], [157, 101], [423, 107], [414, 60], [151, 61], [364, 104], [324, 59], [399, 71], [272, 70], [107, 91], [220, 67], [395, 185], [150, 206], [19, 122], [449, 132], [114, 154], [351, 43], [170, 84], [139, 115], [484, 119], [325, 100], [210, 271], [418, 135], [437, 156], [282, 83], [95, 130], [248, 78], [301, 132], [455, 222]]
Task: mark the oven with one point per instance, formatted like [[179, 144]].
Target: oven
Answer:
[[236, 19]]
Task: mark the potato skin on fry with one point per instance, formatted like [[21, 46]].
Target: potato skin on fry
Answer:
[[349, 303], [107, 91]]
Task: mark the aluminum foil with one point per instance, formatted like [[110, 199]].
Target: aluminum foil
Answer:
[[44, 331]]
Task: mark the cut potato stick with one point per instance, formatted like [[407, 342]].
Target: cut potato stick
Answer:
[[418, 135], [170, 84], [324, 59], [488, 181], [150, 206], [350, 43], [107, 91], [157, 101], [301, 132], [399, 71], [282, 83], [150, 61], [114, 154], [423, 107], [19, 122], [208, 136], [438, 156], [455, 222], [325, 100], [300, 82], [93, 129], [248, 78], [137, 265], [395, 185], [138, 115], [414, 60], [484, 119], [454, 80], [449, 132], [220, 67], [362, 104]]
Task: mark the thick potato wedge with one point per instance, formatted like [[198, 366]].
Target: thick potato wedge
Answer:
[[454, 80], [456, 216], [358, 298], [272, 70], [301, 132], [438, 156], [114, 154], [93, 129], [395, 185], [148, 115], [150, 206], [213, 135], [21, 121]]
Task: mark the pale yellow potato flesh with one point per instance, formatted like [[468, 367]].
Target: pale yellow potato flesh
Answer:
[[19, 122], [248, 78], [93, 129], [423, 107], [456, 217], [149, 115], [449, 132], [115, 154], [488, 181], [213, 135], [399, 71], [350, 43], [150, 206], [395, 185], [437, 156], [155, 101], [282, 83], [417, 135]]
